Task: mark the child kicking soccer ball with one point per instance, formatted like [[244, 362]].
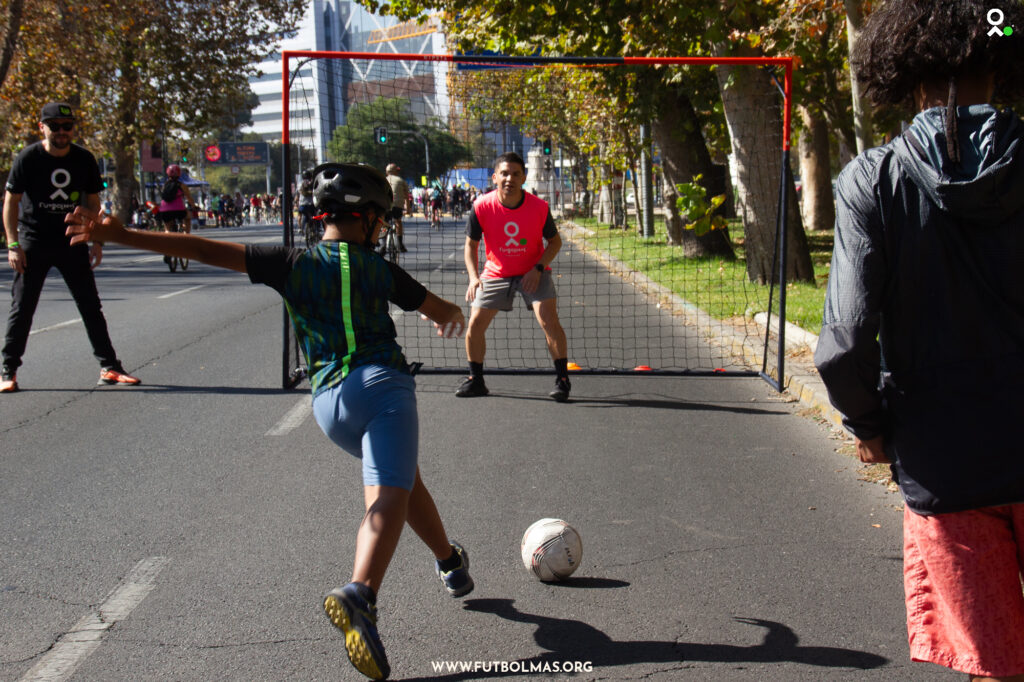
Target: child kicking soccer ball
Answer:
[[363, 394]]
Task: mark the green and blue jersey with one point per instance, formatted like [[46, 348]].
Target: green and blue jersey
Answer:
[[337, 298]]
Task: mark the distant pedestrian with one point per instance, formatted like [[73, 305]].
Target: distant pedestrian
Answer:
[[47, 180], [922, 346]]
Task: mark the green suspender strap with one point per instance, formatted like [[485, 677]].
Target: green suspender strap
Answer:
[[346, 307]]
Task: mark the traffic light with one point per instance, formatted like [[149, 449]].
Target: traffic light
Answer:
[[547, 147], [381, 134], [106, 183], [184, 154]]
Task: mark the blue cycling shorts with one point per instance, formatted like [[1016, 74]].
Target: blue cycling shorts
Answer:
[[372, 415]]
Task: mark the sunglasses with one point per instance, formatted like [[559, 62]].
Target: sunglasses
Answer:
[[66, 126]]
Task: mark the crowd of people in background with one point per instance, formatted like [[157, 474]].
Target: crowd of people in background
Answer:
[[226, 209], [219, 209]]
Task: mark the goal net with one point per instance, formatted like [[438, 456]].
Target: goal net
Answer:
[[660, 203]]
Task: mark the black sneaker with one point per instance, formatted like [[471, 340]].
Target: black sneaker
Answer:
[[561, 391], [472, 388]]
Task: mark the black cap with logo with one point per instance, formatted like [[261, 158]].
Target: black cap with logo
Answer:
[[56, 110]]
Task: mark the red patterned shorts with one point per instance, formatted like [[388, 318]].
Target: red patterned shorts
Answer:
[[962, 575]]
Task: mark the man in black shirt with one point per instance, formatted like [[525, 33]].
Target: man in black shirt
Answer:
[[48, 179]]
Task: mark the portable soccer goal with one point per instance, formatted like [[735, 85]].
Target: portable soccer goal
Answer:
[[655, 275]]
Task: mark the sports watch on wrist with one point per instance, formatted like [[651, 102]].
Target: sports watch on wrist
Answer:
[[539, 267]]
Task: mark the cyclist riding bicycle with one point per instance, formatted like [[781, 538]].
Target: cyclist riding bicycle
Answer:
[[400, 190], [173, 197], [306, 210], [436, 202]]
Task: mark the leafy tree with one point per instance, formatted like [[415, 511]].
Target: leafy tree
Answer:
[[356, 142], [651, 29], [137, 67]]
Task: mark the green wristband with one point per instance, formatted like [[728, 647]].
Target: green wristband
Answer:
[[14, 245]]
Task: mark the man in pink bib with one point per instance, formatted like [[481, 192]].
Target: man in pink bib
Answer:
[[521, 241]]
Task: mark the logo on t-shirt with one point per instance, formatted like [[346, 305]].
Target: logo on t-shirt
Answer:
[[61, 201], [512, 232]]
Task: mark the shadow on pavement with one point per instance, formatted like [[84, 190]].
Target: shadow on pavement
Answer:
[[573, 640]]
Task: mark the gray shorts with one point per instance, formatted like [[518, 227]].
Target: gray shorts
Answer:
[[500, 293]]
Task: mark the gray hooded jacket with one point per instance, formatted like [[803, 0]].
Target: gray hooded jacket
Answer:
[[923, 334]]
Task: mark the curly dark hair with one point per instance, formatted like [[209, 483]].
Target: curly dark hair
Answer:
[[908, 42]]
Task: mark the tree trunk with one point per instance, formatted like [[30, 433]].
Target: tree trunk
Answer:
[[684, 154], [819, 211], [753, 113], [13, 26], [862, 126], [123, 141]]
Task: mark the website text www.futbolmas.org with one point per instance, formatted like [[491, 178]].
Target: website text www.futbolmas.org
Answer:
[[539, 667]]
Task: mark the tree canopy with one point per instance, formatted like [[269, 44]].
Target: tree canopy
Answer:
[[134, 68]]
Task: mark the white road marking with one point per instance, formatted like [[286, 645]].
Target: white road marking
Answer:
[[87, 634], [59, 325], [183, 291], [293, 418]]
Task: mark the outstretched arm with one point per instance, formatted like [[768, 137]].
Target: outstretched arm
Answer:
[[84, 225], [447, 317]]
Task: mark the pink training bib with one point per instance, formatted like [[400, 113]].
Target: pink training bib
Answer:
[[513, 237]]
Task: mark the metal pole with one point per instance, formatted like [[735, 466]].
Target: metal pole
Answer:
[[647, 181], [426, 146]]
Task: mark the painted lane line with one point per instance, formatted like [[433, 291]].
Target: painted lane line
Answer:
[[183, 291], [59, 325], [87, 634], [293, 418]]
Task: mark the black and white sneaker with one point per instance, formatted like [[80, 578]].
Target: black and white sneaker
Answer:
[[561, 390], [472, 388]]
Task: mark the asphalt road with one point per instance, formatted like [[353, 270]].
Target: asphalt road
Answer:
[[186, 529]]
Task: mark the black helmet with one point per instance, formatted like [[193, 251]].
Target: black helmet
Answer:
[[347, 187]]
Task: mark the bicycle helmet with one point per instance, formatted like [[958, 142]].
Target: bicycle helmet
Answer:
[[349, 187], [174, 171], [392, 168]]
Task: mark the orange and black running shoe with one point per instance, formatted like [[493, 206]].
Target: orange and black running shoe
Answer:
[[8, 382], [117, 375]]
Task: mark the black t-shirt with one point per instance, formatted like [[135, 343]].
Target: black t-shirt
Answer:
[[51, 187]]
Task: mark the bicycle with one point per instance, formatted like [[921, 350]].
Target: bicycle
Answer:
[[435, 218], [388, 243], [312, 230], [175, 262]]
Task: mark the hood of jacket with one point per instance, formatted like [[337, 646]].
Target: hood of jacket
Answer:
[[987, 186]]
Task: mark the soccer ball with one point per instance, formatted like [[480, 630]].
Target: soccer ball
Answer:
[[551, 549]]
